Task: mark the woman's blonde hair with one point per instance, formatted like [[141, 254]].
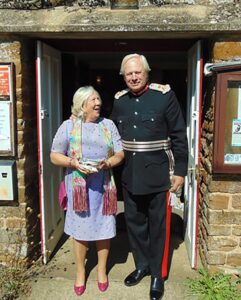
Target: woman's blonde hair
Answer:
[[134, 55], [79, 99]]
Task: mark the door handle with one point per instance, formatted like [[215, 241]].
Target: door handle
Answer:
[[44, 114], [191, 169], [196, 171]]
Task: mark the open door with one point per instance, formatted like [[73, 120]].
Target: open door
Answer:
[[49, 115], [194, 84]]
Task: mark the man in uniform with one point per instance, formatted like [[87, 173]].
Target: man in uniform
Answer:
[[153, 133]]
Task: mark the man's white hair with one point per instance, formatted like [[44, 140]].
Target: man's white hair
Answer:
[[134, 55]]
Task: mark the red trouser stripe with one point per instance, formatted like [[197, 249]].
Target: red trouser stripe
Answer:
[[167, 241]]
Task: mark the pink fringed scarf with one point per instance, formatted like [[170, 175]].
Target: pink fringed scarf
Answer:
[[80, 194], [110, 194]]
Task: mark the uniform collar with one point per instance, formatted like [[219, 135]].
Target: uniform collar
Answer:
[[142, 91]]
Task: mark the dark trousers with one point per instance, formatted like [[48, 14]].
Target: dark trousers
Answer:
[[148, 225]]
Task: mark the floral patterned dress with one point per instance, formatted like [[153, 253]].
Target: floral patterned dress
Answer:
[[91, 225]]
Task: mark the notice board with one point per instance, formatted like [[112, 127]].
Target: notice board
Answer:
[[7, 104]]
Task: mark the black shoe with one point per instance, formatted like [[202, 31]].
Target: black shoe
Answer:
[[135, 277], [157, 288]]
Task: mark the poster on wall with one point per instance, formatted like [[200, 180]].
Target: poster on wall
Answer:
[[236, 133], [7, 131], [5, 73]]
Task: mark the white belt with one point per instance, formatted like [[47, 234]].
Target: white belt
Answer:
[[146, 146]]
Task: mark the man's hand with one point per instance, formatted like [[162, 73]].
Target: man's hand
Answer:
[[177, 183]]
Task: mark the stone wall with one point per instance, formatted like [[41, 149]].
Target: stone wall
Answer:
[[39, 4], [205, 2], [220, 195], [19, 225]]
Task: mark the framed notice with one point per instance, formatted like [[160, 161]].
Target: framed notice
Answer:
[[227, 131], [7, 125]]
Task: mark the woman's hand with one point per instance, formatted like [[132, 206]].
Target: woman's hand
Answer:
[[112, 161], [60, 159], [104, 165], [74, 164]]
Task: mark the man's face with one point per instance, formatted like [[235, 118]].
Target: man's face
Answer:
[[134, 75]]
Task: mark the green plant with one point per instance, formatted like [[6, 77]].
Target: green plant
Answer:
[[15, 273], [216, 286], [13, 282]]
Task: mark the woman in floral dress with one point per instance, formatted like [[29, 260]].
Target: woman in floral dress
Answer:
[[89, 146]]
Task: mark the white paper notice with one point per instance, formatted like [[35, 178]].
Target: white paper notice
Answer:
[[232, 159], [236, 133], [5, 130]]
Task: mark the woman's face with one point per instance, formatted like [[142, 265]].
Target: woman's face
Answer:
[[92, 108]]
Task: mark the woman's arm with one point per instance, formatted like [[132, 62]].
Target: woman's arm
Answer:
[[113, 161], [62, 160], [116, 159]]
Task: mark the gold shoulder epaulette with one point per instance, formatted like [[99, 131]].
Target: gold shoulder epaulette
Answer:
[[121, 93], [164, 88]]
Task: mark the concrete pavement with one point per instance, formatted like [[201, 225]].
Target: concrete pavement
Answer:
[[55, 280]]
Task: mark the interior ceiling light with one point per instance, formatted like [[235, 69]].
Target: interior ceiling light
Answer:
[[98, 79]]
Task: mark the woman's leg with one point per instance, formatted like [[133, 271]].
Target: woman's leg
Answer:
[[80, 250], [103, 247]]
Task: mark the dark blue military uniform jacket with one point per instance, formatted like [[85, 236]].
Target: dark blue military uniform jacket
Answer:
[[153, 115]]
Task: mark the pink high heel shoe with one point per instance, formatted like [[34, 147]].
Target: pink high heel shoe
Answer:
[[79, 290], [103, 286]]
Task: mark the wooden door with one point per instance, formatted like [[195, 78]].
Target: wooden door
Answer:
[[193, 134], [49, 114]]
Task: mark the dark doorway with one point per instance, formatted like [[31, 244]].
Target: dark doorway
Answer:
[[102, 72], [83, 64]]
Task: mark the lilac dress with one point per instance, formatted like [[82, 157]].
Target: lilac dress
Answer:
[[91, 225]]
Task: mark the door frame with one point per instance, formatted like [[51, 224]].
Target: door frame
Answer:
[[40, 182]]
